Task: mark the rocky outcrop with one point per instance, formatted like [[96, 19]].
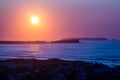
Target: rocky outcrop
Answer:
[[55, 69]]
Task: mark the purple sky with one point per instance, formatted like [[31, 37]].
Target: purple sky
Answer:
[[59, 19]]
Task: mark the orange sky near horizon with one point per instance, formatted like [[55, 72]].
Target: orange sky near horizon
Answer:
[[25, 30]]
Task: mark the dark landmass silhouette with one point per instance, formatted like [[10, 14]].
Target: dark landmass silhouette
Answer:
[[40, 42], [67, 41], [87, 38], [56, 69], [113, 39], [22, 42]]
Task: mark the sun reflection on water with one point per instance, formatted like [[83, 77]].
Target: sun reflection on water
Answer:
[[35, 49]]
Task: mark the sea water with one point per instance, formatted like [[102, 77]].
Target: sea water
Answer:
[[106, 52]]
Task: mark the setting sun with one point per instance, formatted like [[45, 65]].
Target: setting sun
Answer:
[[35, 20]]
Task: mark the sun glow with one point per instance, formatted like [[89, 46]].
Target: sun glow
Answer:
[[35, 20]]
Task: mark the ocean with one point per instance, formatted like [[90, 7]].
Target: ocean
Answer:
[[106, 52]]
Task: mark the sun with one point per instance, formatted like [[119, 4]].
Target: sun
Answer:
[[35, 20]]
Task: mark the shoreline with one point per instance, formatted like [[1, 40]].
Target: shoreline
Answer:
[[56, 69]]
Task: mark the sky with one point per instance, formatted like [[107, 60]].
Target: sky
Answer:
[[59, 19]]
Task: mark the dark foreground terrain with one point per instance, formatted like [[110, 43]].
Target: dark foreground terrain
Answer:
[[55, 69]]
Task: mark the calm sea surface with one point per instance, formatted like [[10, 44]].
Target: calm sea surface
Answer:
[[106, 52]]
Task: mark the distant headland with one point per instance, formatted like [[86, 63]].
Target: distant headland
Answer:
[[40, 42], [87, 38], [65, 40], [22, 42]]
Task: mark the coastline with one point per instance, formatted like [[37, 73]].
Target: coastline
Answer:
[[56, 69]]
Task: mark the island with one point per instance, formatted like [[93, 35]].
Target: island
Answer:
[[66, 41], [23, 42], [88, 38]]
